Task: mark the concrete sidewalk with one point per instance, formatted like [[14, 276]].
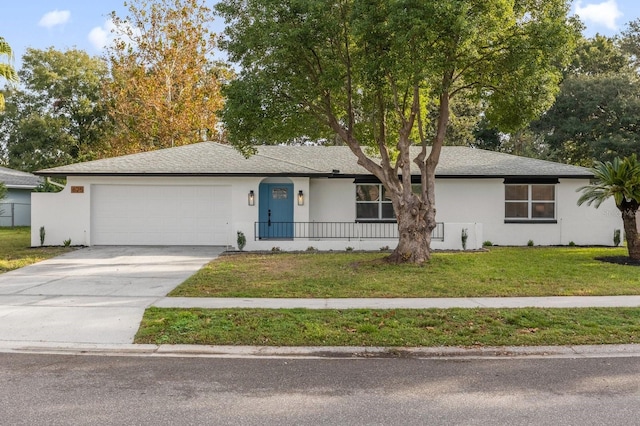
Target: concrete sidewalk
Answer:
[[402, 303]]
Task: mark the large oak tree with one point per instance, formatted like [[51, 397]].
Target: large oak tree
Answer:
[[373, 72]]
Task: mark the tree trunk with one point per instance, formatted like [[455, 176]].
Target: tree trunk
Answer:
[[629, 213], [414, 236]]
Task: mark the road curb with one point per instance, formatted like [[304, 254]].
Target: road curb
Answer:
[[323, 352]]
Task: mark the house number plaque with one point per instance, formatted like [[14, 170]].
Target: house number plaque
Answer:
[[77, 189]]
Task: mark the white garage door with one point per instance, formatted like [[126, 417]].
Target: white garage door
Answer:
[[160, 215]]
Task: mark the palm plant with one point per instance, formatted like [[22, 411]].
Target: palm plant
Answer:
[[6, 69], [619, 179]]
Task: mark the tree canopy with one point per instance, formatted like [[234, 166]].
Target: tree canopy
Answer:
[[57, 116], [165, 86], [6, 67], [381, 76], [595, 116]]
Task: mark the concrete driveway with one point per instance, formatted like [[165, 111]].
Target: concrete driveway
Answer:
[[92, 295]]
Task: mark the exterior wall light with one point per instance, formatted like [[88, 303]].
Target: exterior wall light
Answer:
[[300, 198], [252, 198]]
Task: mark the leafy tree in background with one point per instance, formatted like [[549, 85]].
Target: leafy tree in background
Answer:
[[619, 179], [595, 117], [6, 69], [596, 114], [598, 55], [374, 72], [165, 87], [57, 116], [630, 42], [465, 116]]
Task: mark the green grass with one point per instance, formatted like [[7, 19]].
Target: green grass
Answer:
[[431, 327], [500, 271], [15, 250]]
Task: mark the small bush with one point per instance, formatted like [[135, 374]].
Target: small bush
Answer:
[[616, 237], [530, 243], [275, 249], [241, 240], [487, 243], [463, 238], [384, 248], [311, 248], [349, 249], [572, 244], [67, 242]]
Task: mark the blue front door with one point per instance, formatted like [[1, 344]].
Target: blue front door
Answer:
[[276, 210]]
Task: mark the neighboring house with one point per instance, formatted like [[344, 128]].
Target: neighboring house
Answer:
[[15, 208], [295, 197]]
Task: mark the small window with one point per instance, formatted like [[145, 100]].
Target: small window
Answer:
[[372, 203], [530, 202], [279, 193]]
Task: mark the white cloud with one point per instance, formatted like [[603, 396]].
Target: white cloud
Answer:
[[605, 13], [100, 37], [55, 18]]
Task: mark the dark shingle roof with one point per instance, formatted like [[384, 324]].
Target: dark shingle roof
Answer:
[[16, 179], [213, 159]]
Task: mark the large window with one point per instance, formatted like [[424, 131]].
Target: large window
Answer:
[[372, 203], [529, 202]]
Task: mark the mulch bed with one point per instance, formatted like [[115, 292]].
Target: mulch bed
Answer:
[[619, 260]]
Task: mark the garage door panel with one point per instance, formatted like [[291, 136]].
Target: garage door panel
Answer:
[[160, 215]]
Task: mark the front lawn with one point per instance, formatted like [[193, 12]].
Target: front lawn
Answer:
[[15, 250], [500, 271], [401, 327]]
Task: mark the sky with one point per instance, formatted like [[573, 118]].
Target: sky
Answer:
[[85, 24]]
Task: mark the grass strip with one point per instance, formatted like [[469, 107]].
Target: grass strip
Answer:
[[501, 271], [16, 250], [399, 327]]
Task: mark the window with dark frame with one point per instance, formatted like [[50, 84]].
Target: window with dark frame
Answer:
[[530, 202], [372, 203]]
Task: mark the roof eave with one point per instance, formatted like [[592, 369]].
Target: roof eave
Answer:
[[167, 174], [20, 186], [331, 175]]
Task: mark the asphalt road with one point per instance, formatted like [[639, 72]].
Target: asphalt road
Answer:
[[98, 390]]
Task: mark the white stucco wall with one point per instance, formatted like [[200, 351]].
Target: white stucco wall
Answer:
[[333, 200], [482, 200], [63, 215], [68, 215], [479, 204], [473, 204]]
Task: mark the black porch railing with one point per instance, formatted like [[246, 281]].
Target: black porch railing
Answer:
[[333, 230]]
